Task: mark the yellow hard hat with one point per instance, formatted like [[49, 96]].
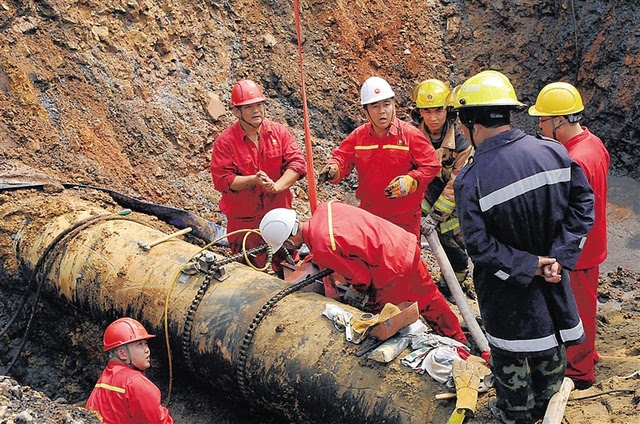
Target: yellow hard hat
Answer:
[[431, 93], [452, 98], [488, 88], [557, 99]]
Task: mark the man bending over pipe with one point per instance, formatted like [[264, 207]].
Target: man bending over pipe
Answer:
[[380, 260]]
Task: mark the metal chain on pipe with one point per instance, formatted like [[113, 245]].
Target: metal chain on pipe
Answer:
[[193, 308], [241, 369]]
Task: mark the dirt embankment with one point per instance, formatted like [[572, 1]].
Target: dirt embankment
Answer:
[[116, 94]]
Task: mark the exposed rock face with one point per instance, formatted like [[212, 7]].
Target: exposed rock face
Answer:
[[117, 93], [130, 94]]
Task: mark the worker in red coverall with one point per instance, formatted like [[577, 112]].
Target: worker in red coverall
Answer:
[[123, 395], [380, 260], [559, 108], [394, 160], [253, 164]]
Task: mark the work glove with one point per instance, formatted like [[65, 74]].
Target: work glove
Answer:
[[466, 377], [401, 186], [427, 225], [330, 173], [354, 298]]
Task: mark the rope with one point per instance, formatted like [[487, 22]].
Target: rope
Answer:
[[311, 179], [575, 29]]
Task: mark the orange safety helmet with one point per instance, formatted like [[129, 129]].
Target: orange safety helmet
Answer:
[[246, 92], [123, 331]]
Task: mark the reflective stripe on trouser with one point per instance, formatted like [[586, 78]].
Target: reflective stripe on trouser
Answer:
[[581, 358], [525, 385]]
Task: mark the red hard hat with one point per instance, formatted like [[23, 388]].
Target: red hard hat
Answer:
[[123, 331], [246, 92]]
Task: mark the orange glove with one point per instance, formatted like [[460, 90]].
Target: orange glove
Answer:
[[401, 186]]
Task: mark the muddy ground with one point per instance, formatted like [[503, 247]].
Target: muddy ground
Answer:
[[131, 94]]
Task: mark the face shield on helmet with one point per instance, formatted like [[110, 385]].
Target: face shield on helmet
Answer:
[[123, 331], [374, 90], [431, 93], [558, 99], [278, 225], [246, 92]]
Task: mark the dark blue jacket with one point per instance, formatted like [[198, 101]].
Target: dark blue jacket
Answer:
[[522, 197]]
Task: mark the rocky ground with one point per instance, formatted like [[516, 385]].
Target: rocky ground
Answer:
[[131, 94]]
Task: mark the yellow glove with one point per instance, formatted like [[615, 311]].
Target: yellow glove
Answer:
[[401, 186], [467, 379], [330, 173]]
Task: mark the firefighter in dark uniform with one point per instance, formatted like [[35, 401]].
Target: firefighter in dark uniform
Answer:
[[525, 209], [434, 116]]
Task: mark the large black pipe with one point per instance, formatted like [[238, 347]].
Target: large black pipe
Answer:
[[296, 363]]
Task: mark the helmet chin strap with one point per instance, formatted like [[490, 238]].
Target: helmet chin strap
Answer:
[[130, 363], [554, 127], [470, 128], [393, 116], [249, 123]]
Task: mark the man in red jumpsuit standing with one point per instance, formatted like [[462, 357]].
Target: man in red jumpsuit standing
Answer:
[[559, 107], [394, 160], [253, 164], [380, 260], [123, 395]]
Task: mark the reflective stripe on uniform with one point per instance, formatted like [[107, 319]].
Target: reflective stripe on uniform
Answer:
[[395, 146], [573, 333], [372, 147], [111, 388], [525, 345], [449, 225], [330, 225], [523, 186], [425, 205], [444, 205]]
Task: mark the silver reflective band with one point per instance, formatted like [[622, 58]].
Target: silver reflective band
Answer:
[[502, 275], [523, 186], [527, 345], [573, 333]]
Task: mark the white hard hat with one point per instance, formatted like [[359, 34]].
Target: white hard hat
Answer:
[[375, 89], [278, 225]]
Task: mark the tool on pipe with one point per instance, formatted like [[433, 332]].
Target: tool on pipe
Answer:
[[147, 246], [458, 296]]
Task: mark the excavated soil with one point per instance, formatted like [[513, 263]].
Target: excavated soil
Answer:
[[130, 95]]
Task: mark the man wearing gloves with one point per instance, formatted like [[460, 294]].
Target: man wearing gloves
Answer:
[[525, 209], [394, 160], [380, 260], [436, 119]]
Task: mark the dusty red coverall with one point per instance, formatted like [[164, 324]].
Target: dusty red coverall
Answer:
[[378, 160], [589, 152], [379, 258], [125, 396], [234, 154]]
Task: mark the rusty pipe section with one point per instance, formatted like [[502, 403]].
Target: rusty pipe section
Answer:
[[297, 365]]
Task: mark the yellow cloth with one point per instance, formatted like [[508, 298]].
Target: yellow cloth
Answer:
[[387, 312]]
